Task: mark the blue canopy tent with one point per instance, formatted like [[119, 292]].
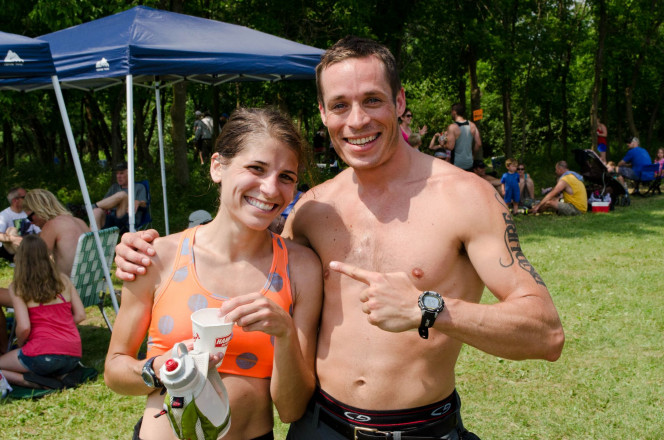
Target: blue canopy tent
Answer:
[[146, 45], [27, 59]]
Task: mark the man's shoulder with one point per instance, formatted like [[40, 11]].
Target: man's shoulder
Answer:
[[7, 213]]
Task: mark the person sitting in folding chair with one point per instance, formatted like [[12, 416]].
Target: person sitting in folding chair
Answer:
[[112, 210], [635, 159]]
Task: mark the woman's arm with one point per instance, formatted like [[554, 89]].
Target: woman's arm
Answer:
[[530, 187], [21, 316], [122, 369], [293, 375]]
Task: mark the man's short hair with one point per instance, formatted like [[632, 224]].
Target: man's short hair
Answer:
[[120, 166], [562, 164], [13, 193], [415, 140], [459, 109], [356, 47], [632, 139], [478, 164]]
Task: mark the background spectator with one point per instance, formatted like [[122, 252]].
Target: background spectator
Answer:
[[526, 186], [59, 228], [112, 209], [10, 236]]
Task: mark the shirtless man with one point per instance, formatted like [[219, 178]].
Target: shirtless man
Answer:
[[59, 229], [396, 224], [463, 139]]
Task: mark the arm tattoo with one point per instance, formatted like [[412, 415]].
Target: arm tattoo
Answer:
[[514, 249]]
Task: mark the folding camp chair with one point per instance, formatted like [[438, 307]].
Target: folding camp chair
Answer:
[[146, 218], [89, 274], [645, 176]]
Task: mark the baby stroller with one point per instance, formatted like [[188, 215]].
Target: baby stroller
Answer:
[[598, 178]]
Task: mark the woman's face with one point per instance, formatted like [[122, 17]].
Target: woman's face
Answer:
[[521, 169], [660, 153], [407, 117], [258, 183]]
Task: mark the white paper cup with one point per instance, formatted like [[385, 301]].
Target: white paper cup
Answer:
[[211, 332]]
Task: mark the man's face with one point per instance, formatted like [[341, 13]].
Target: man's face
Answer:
[[19, 199], [122, 178], [359, 111]]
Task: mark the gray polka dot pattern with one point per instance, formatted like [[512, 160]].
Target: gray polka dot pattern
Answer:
[[166, 324], [277, 283], [246, 360], [197, 302], [181, 274]]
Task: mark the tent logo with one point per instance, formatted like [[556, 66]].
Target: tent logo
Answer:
[[102, 65], [12, 59]]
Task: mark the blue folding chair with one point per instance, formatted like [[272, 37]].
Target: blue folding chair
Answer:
[[646, 175]]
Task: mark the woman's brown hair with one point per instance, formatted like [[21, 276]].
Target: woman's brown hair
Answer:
[[35, 276]]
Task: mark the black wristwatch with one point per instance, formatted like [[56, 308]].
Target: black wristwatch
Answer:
[[431, 304], [148, 375]]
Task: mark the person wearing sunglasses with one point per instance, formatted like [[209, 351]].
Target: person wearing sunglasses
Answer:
[[526, 186], [10, 237], [404, 122], [59, 228]]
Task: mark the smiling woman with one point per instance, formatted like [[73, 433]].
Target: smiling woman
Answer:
[[256, 278]]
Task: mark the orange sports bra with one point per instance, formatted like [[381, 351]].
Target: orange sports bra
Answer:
[[249, 353]]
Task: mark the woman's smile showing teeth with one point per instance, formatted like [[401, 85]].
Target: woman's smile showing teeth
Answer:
[[259, 204]]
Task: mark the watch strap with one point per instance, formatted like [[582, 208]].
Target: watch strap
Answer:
[[149, 369]]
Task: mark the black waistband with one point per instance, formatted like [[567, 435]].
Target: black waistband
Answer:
[[436, 419]]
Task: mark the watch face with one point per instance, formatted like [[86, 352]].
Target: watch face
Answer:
[[430, 302], [147, 378]]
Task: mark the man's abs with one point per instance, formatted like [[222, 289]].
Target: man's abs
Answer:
[[380, 370]]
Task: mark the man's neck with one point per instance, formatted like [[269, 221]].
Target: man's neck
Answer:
[[394, 170], [15, 209]]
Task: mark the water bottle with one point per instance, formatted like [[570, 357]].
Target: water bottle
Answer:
[[180, 376], [197, 402]]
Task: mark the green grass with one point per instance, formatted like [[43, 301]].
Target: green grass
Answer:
[[604, 273]]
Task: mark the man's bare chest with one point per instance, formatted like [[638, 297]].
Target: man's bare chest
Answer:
[[398, 242]]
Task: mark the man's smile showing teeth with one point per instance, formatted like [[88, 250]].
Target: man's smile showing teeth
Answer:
[[260, 205], [362, 141]]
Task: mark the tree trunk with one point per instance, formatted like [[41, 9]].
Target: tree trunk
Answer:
[[8, 143], [599, 62], [475, 93], [629, 91], [507, 117], [564, 130], [178, 134], [653, 115], [117, 149], [140, 115]]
